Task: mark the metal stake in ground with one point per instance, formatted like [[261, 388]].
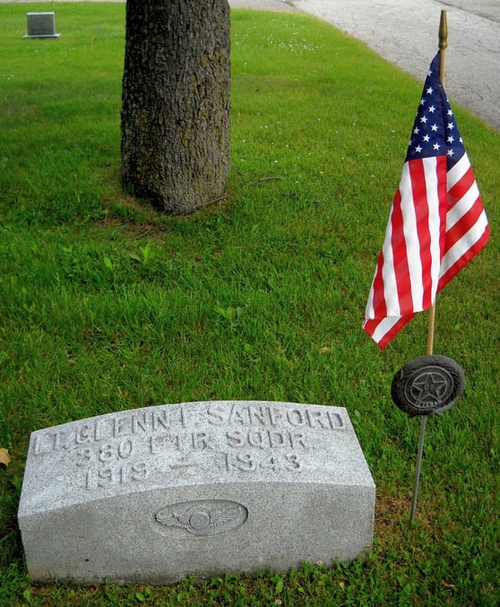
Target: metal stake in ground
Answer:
[[427, 385]]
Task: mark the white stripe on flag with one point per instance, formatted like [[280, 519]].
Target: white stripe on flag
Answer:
[[410, 232], [458, 171], [384, 326], [388, 277], [464, 244], [431, 180]]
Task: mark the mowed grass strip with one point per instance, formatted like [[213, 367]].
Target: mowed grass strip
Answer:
[[106, 305]]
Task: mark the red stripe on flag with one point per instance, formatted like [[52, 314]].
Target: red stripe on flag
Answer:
[[371, 326], [379, 304], [402, 322], [464, 224], [421, 206], [400, 256], [463, 185]]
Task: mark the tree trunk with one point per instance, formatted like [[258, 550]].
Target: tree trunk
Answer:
[[176, 102]]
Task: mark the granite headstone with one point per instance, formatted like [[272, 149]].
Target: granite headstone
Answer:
[[154, 494], [41, 25]]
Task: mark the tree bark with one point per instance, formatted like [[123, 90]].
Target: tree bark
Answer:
[[176, 102]]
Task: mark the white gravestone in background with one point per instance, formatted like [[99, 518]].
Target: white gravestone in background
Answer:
[[152, 495]]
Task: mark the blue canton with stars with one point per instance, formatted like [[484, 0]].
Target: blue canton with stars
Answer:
[[435, 131]]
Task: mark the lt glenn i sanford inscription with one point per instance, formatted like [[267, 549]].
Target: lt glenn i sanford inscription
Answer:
[[152, 495]]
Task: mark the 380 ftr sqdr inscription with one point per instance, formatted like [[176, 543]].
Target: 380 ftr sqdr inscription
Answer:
[[134, 448]]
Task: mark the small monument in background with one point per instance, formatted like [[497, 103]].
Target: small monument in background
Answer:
[[41, 25]]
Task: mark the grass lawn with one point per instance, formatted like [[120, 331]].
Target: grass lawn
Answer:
[[106, 305]]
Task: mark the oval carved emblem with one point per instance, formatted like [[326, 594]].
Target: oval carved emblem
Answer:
[[202, 518]]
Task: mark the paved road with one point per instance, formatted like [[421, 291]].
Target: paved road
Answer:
[[405, 32]]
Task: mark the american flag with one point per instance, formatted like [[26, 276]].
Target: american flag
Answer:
[[437, 222]]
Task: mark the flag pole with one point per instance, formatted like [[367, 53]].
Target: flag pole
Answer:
[[443, 44]]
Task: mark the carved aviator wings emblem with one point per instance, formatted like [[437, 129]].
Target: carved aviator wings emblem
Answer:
[[203, 518]]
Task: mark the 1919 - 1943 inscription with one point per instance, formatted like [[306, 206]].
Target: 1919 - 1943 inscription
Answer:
[[244, 478]]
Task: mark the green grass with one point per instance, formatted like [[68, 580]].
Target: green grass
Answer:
[[106, 305]]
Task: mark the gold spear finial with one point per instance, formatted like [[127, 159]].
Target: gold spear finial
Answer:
[[443, 43], [443, 31]]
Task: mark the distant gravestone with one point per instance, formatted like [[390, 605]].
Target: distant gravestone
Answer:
[[152, 495], [41, 25]]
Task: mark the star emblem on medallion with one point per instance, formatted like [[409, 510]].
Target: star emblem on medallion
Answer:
[[428, 384], [430, 387]]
